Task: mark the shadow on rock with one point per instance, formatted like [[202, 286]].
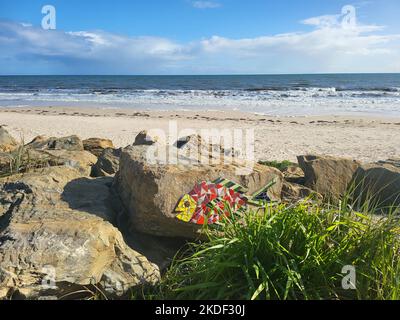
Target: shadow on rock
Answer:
[[94, 196], [91, 196]]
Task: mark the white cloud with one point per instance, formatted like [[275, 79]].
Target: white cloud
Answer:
[[325, 21], [328, 47], [206, 4]]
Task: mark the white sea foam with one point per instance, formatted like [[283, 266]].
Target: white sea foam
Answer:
[[297, 101]]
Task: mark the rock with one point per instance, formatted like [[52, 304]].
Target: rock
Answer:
[[293, 192], [24, 160], [148, 138], [38, 141], [81, 160], [97, 145], [7, 142], [194, 146], [5, 160], [107, 164], [394, 162], [54, 225], [379, 184], [294, 174], [329, 176], [71, 143], [150, 192]]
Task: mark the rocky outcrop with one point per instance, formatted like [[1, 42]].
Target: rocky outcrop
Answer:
[[293, 192], [7, 142], [71, 143], [378, 184], [329, 176], [97, 145], [150, 191], [55, 236], [107, 164]]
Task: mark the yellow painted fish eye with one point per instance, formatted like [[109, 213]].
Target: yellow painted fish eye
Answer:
[[186, 208]]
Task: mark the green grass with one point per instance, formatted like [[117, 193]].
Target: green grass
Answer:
[[295, 252], [278, 165], [14, 162], [23, 160]]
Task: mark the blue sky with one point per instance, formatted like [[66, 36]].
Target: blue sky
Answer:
[[199, 37]]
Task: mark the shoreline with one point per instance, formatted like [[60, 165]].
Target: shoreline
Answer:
[[365, 138]]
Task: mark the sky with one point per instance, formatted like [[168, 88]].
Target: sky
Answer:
[[199, 37]]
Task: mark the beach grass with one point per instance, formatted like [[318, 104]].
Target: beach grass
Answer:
[[23, 159], [280, 165], [293, 252]]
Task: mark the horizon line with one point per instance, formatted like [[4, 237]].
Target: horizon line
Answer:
[[195, 75]]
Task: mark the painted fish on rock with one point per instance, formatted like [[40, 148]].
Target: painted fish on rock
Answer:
[[208, 202]]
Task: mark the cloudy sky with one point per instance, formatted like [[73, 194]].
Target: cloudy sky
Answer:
[[200, 37]]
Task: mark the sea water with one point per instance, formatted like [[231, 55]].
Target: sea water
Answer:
[[325, 94]]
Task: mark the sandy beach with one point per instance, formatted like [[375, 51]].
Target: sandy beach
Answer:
[[276, 138]]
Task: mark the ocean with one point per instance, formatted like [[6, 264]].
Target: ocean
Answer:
[[329, 94]]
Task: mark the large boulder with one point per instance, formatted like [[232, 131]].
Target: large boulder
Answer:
[[71, 143], [55, 237], [150, 191], [97, 145], [329, 176], [7, 142], [107, 164], [378, 184]]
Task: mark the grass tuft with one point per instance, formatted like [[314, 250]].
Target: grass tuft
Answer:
[[283, 165], [295, 252]]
